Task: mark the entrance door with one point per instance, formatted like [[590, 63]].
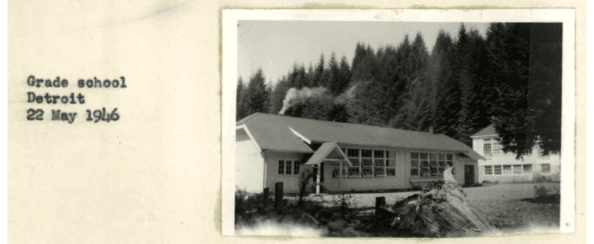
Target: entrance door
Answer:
[[468, 174]]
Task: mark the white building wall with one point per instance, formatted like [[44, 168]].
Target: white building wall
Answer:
[[290, 182], [249, 164], [510, 159]]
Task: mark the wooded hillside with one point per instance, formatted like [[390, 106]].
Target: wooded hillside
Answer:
[[511, 78]]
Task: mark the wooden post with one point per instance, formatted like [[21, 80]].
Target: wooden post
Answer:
[[318, 180], [278, 195], [379, 202], [340, 176], [265, 197]]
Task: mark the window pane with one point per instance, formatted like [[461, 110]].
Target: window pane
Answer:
[[546, 168], [391, 172], [506, 169], [414, 172], [379, 171], [442, 164], [488, 170], [296, 167], [497, 169], [414, 155], [353, 172], [425, 172], [423, 156], [390, 163], [450, 157], [379, 162], [354, 161], [450, 163], [281, 167], [527, 168], [366, 153], [434, 171], [289, 168], [367, 162], [441, 156], [433, 156], [424, 164], [387, 154], [441, 169], [434, 164], [353, 152], [367, 172], [487, 149], [378, 154], [414, 164], [517, 169]]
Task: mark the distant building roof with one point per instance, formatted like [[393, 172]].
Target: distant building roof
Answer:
[[487, 131], [273, 132]]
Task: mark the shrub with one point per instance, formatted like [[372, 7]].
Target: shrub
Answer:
[[539, 178], [305, 184], [541, 191], [344, 203]]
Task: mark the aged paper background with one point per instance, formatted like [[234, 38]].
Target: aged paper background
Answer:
[[155, 175]]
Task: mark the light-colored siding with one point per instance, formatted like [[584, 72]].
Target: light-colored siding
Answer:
[[510, 159], [290, 182], [249, 164]]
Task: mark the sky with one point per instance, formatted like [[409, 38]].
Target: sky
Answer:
[[275, 46]]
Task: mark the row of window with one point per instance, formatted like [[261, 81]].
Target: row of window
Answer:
[[429, 164], [287, 167], [514, 169], [378, 163], [366, 163]]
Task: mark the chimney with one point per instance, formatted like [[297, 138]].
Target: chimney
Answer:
[[431, 129]]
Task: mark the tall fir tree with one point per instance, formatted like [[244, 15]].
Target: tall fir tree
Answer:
[[239, 101], [415, 112], [257, 94], [446, 100], [319, 71]]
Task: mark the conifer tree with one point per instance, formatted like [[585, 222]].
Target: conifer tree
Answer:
[[256, 93]]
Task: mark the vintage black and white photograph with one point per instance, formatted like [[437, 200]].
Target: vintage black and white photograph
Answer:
[[347, 128]]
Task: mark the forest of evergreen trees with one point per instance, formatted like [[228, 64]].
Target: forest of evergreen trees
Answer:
[[511, 78]]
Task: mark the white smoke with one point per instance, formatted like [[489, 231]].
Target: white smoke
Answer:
[[347, 95], [294, 96]]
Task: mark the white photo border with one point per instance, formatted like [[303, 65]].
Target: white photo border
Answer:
[[230, 18]]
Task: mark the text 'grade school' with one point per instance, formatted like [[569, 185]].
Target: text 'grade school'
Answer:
[[43, 98]]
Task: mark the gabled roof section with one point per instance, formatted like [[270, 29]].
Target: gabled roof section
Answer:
[[487, 131], [328, 150], [272, 132]]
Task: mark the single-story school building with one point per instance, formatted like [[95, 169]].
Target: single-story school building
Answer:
[[344, 157]]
